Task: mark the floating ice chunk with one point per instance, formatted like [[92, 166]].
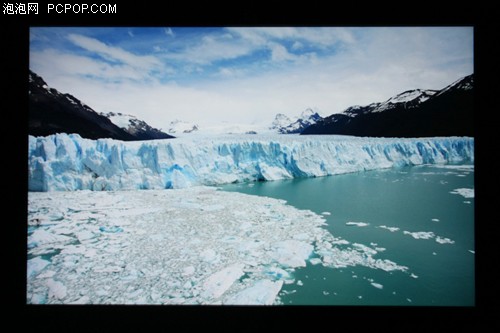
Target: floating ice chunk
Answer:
[[279, 274], [216, 284], [263, 292], [357, 224], [188, 271], [42, 237], [111, 229], [377, 285], [420, 234], [414, 276], [315, 261], [464, 167], [444, 240], [339, 241], [212, 208], [391, 229], [46, 274], [465, 192], [326, 213], [435, 220], [360, 255], [84, 235], [82, 300], [36, 265], [56, 289], [302, 236], [292, 253], [472, 251], [467, 202], [108, 269], [360, 297], [365, 248], [300, 283], [208, 255], [38, 299], [434, 253], [409, 300]]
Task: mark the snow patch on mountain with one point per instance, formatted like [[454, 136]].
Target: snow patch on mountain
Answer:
[[410, 99], [121, 120], [135, 126], [285, 125], [464, 83], [179, 126]]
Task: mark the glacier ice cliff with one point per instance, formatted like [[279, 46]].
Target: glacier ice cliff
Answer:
[[64, 162]]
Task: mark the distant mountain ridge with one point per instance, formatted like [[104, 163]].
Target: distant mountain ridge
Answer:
[[136, 127], [285, 125], [51, 112], [413, 113], [180, 126]]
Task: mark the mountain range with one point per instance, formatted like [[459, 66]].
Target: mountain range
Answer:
[[285, 125], [413, 113], [51, 112]]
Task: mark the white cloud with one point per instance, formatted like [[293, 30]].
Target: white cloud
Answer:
[[229, 72], [280, 53], [112, 53], [297, 45], [169, 32], [211, 48], [320, 37], [56, 63], [130, 33]]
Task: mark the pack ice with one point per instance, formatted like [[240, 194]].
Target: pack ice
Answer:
[[64, 162], [186, 246]]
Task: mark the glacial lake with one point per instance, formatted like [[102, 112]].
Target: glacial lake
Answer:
[[413, 216]]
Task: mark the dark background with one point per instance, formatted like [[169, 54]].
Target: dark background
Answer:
[[14, 116]]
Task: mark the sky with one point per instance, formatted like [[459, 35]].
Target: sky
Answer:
[[245, 75]]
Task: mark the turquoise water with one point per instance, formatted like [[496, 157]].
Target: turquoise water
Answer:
[[413, 199]]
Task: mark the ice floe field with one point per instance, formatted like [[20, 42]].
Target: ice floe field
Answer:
[[187, 246], [190, 246]]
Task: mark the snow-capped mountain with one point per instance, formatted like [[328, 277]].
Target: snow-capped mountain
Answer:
[[463, 84], [179, 126], [280, 121], [413, 113], [51, 112], [285, 125], [406, 100], [132, 125]]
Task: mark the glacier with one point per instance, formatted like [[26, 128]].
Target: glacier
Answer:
[[63, 162]]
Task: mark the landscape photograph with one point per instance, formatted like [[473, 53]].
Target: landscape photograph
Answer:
[[251, 166]]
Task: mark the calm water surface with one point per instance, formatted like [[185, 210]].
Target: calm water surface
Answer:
[[413, 199]]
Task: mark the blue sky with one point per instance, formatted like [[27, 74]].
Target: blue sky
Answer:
[[245, 75]]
